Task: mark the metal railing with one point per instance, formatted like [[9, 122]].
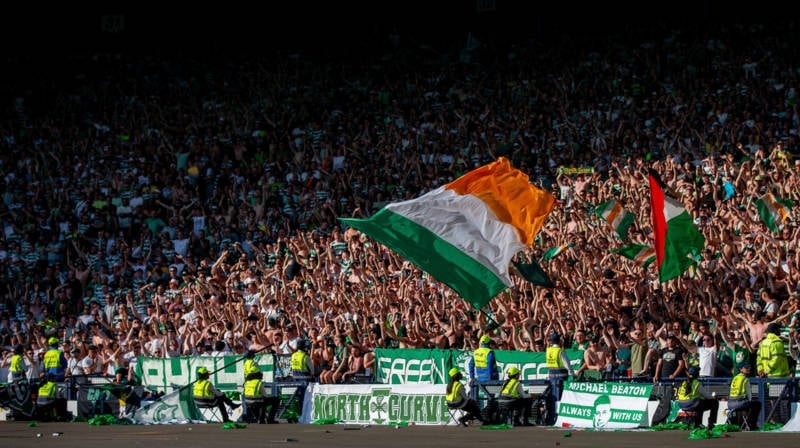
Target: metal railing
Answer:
[[770, 392]]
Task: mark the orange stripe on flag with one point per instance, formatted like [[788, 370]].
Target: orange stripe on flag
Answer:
[[644, 256], [778, 207], [508, 192], [612, 215]]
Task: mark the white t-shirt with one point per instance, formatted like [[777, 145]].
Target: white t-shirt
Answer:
[[708, 360]]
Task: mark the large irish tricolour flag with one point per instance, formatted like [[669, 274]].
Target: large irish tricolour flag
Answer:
[[676, 237], [465, 233]]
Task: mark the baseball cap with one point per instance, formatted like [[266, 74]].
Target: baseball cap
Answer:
[[743, 365], [485, 339], [453, 372]]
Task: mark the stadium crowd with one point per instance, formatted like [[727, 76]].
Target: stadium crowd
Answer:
[[190, 207]]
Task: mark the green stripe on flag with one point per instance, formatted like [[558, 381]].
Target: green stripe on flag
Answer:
[[553, 252], [773, 211], [445, 262]]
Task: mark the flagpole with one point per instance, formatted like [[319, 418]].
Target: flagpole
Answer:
[[494, 324]]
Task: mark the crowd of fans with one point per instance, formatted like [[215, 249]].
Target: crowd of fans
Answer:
[[189, 207]]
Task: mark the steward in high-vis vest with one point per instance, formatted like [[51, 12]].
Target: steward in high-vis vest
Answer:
[[54, 360], [692, 396], [556, 358], [302, 367], [740, 398], [249, 362], [771, 354], [257, 397], [16, 369], [456, 397], [558, 370], [514, 398], [482, 365], [206, 395], [49, 405]]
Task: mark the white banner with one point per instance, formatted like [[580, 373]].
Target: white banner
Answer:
[[604, 405], [376, 404], [174, 407], [227, 372]]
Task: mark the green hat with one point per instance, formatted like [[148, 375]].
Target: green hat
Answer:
[[52, 341], [485, 339], [513, 371], [453, 372], [202, 371]]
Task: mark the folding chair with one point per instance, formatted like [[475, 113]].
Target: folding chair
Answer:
[[686, 416], [456, 413], [209, 410], [738, 417]]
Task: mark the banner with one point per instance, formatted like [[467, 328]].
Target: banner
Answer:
[[575, 170], [604, 405], [97, 399], [17, 398], [420, 366], [175, 407], [376, 404], [412, 366], [532, 365], [165, 374]]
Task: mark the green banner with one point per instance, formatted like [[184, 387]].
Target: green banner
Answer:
[[422, 366], [532, 365], [228, 371], [604, 405], [412, 366]]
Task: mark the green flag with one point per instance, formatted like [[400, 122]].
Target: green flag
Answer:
[[534, 273]]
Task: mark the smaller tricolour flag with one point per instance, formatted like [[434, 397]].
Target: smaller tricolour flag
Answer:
[[617, 218], [639, 253], [553, 252], [773, 211]]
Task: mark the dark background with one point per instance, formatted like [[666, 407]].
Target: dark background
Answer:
[[294, 25], [43, 47]]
